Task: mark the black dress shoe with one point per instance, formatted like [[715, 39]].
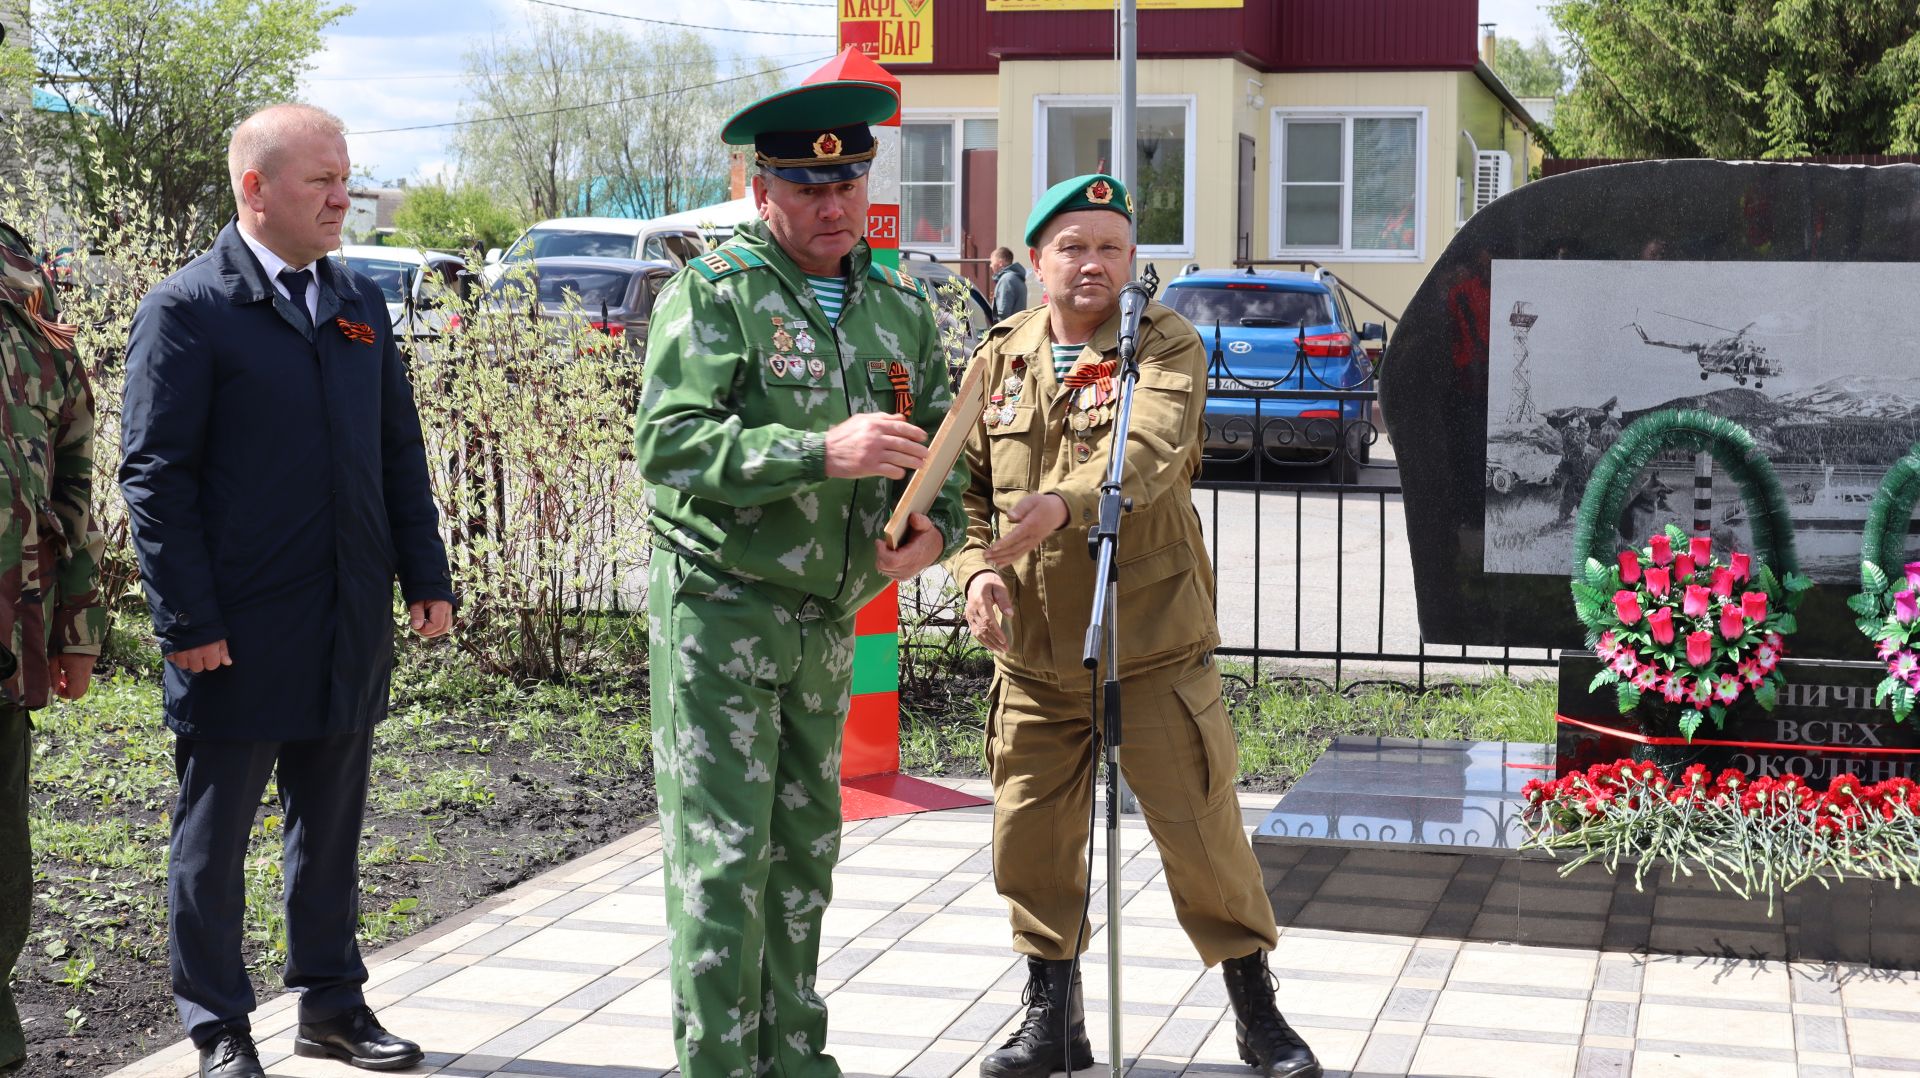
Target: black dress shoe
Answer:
[[1266, 1042], [356, 1037], [230, 1055]]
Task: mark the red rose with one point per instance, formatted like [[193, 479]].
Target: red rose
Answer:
[[1723, 582], [1682, 567], [1741, 565], [1662, 549], [1661, 622], [1732, 622], [1699, 648], [1629, 567], [1700, 549], [1754, 604], [1627, 605], [1658, 581], [1695, 603]]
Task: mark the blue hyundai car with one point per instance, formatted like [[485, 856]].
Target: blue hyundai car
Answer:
[[1269, 331]]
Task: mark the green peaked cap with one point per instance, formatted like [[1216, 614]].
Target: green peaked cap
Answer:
[[1094, 191], [820, 106]]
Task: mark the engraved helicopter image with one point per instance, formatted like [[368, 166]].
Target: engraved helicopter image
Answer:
[[1735, 356]]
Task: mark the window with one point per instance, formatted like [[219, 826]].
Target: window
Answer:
[[1076, 137], [1348, 184], [931, 183]]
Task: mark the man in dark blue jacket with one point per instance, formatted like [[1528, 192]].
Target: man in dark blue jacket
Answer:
[[277, 482]]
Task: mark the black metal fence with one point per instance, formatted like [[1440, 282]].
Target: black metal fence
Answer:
[[1300, 497]]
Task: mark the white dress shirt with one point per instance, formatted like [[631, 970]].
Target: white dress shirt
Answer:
[[273, 264]]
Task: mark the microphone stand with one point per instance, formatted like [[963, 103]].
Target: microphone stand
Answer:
[[1103, 642]]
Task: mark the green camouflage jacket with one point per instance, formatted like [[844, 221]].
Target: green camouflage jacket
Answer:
[[744, 374], [50, 548]]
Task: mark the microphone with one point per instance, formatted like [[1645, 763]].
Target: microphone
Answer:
[[1133, 302]]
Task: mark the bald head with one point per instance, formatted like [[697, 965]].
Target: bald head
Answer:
[[261, 140], [289, 168]]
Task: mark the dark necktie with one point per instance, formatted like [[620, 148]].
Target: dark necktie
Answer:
[[296, 282]]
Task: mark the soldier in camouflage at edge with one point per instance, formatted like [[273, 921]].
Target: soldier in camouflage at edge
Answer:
[[51, 620], [790, 385]]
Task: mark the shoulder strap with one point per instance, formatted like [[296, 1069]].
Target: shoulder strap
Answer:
[[903, 281], [725, 261]]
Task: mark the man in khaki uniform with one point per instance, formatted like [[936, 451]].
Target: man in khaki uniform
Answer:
[[1037, 461]]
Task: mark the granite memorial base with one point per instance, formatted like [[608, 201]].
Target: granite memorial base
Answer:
[[1420, 838]]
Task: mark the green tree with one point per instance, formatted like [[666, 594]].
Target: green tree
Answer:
[[583, 119], [456, 218], [155, 88], [1740, 78], [1529, 70]]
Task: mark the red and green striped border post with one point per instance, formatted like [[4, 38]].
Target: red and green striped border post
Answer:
[[873, 722]]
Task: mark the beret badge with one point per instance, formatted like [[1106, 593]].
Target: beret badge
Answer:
[[827, 145], [1100, 192]]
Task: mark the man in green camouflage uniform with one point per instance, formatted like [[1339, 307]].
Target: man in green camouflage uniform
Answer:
[[51, 620], [790, 385]]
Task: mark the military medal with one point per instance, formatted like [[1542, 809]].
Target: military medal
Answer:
[[816, 367], [778, 365], [1006, 415], [1082, 452], [782, 340], [1013, 383], [1080, 421], [803, 341], [993, 410]]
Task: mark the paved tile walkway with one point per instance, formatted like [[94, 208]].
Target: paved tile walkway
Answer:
[[563, 976]]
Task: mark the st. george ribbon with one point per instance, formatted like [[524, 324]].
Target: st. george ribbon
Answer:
[[1103, 639]]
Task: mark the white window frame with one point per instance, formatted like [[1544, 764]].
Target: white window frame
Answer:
[[955, 121], [1345, 252], [1189, 198]]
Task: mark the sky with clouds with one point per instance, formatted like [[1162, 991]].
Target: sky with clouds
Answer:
[[398, 63]]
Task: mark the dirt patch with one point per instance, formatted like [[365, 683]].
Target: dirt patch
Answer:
[[541, 813]]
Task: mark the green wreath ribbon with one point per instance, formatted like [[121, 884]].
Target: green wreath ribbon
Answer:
[[1882, 545], [1732, 448]]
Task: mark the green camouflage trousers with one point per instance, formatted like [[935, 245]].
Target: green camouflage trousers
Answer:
[[749, 699], [16, 870]]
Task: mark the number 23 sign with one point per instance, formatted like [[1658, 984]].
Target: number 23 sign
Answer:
[[883, 226]]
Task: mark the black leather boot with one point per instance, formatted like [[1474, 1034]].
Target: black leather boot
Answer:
[[1054, 1011], [1265, 1039]]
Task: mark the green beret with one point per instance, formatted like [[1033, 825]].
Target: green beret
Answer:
[[1095, 191]]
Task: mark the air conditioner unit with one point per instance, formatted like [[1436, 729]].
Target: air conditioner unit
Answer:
[[1492, 176]]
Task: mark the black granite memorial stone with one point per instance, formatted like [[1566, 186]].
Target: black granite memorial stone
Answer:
[[1825, 724], [1767, 293]]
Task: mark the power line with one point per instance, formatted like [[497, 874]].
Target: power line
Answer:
[[684, 25], [588, 105], [561, 71]]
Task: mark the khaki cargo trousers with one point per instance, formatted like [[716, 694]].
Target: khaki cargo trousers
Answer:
[[1177, 753]]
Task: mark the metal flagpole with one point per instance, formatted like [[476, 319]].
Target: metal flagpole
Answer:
[[1125, 141]]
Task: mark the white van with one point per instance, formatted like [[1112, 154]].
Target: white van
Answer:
[[600, 237]]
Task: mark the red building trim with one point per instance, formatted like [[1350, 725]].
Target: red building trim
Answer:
[[1267, 35]]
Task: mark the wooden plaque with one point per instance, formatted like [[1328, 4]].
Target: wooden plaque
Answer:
[[968, 402]]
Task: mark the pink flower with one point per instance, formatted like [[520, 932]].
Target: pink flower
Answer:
[[1754, 604], [1700, 692], [1627, 605], [1768, 656], [1723, 582], [1726, 689], [1913, 574], [1674, 690], [1661, 621], [1732, 622], [1699, 648], [1658, 581], [1886, 649], [1775, 641], [1741, 564], [1906, 606], [1646, 679], [1629, 567], [1700, 549], [1625, 661], [1695, 604], [1904, 665], [1606, 645], [1750, 672], [1662, 549], [1682, 567]]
